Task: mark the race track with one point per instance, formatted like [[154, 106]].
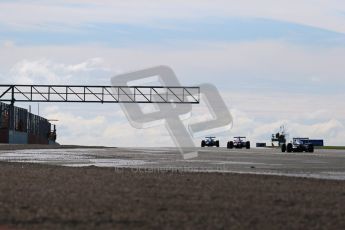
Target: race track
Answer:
[[323, 164]]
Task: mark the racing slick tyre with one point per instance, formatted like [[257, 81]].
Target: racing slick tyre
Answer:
[[289, 148], [203, 144], [284, 148], [230, 145], [217, 144], [248, 145], [311, 148]]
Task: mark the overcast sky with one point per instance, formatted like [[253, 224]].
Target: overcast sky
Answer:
[[275, 62]]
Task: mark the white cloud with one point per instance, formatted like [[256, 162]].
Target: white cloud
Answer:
[[8, 44], [289, 106], [258, 115], [88, 65], [112, 130], [45, 71], [257, 130], [38, 14], [257, 61]]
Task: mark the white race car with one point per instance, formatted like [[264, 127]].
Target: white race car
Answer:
[[298, 145], [239, 143]]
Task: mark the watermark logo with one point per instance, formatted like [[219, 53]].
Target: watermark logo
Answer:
[[173, 115]]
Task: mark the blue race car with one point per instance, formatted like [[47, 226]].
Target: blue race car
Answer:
[[210, 142]]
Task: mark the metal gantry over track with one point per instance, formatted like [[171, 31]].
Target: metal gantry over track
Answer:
[[99, 94]]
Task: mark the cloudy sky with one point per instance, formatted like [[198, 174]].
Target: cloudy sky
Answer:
[[274, 62]]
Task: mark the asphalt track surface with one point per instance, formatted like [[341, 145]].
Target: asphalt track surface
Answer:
[[322, 164]]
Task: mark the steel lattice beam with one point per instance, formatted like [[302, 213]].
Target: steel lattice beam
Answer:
[[99, 94]]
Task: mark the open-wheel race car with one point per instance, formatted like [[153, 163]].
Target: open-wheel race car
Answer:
[[239, 143], [298, 145], [210, 142]]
